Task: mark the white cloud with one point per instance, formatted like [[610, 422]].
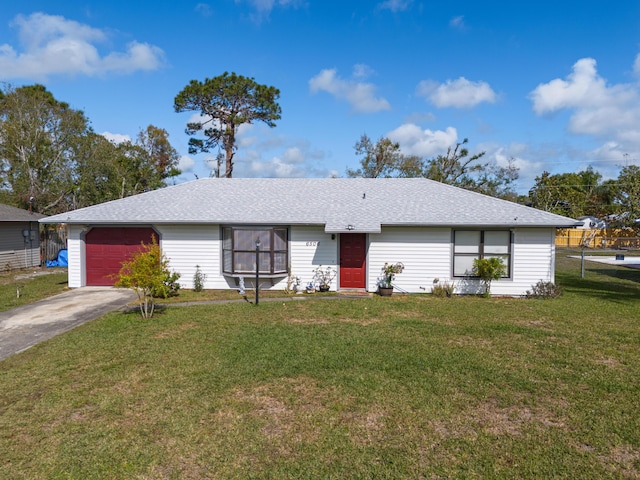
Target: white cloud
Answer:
[[52, 44], [116, 137], [459, 93], [457, 22], [263, 8], [360, 70], [360, 95], [636, 66], [395, 5], [276, 167], [203, 9], [610, 112], [186, 163], [272, 155], [414, 140]]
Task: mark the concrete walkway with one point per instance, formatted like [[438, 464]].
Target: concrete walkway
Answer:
[[28, 325]]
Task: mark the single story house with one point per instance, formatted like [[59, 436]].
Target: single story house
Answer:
[[352, 225], [19, 238]]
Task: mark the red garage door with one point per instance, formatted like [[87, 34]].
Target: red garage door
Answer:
[[107, 248]]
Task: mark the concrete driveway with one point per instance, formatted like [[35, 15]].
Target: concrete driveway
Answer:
[[28, 325]]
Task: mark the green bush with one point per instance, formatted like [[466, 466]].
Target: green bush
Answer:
[[147, 273], [489, 269]]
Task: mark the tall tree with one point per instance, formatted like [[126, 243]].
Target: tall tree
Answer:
[[225, 103], [381, 159], [627, 196], [384, 159], [457, 168], [163, 157], [107, 171], [572, 194], [38, 135]]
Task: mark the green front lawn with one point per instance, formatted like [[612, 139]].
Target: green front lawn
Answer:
[[400, 387]]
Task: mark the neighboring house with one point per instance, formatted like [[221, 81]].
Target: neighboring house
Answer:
[[353, 225], [19, 238]]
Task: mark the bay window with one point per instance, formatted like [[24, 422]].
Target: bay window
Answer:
[[239, 250]]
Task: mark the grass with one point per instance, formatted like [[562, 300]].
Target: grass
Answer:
[[400, 387], [20, 287]]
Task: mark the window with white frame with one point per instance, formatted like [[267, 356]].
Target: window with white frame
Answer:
[[239, 250], [469, 245]]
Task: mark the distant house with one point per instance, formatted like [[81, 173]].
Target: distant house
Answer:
[[352, 225], [19, 238]]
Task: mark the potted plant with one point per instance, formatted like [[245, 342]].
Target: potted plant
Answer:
[[389, 271], [323, 277]]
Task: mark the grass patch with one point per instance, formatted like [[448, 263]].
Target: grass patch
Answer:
[[32, 285], [400, 387]]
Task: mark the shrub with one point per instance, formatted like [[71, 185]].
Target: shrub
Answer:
[[198, 279], [147, 273], [489, 269], [544, 290], [444, 289]]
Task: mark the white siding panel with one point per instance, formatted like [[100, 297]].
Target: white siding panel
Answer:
[[311, 247], [188, 246], [76, 254], [425, 253], [533, 260]]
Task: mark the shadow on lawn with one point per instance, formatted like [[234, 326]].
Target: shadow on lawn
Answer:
[[602, 287]]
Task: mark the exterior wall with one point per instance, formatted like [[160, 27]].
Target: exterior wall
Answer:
[[425, 253], [76, 256], [14, 251], [533, 259], [311, 247], [188, 246]]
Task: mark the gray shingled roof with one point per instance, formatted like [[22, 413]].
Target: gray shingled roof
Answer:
[[13, 214], [365, 204]]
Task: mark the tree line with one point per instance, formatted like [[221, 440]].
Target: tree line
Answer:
[[52, 161]]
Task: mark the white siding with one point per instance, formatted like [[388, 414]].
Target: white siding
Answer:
[[188, 246], [76, 255], [532, 260], [425, 253], [311, 247]]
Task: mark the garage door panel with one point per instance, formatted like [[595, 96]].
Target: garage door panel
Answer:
[[108, 247]]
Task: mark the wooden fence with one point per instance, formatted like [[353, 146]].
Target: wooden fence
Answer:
[[621, 239], [52, 241]]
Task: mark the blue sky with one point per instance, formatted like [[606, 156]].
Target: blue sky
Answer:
[[555, 85]]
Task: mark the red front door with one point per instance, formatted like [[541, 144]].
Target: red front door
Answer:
[[353, 260]]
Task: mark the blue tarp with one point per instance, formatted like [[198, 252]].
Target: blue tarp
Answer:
[[62, 260]]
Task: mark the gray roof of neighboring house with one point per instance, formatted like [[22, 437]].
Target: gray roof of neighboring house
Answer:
[[362, 203], [13, 214]]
